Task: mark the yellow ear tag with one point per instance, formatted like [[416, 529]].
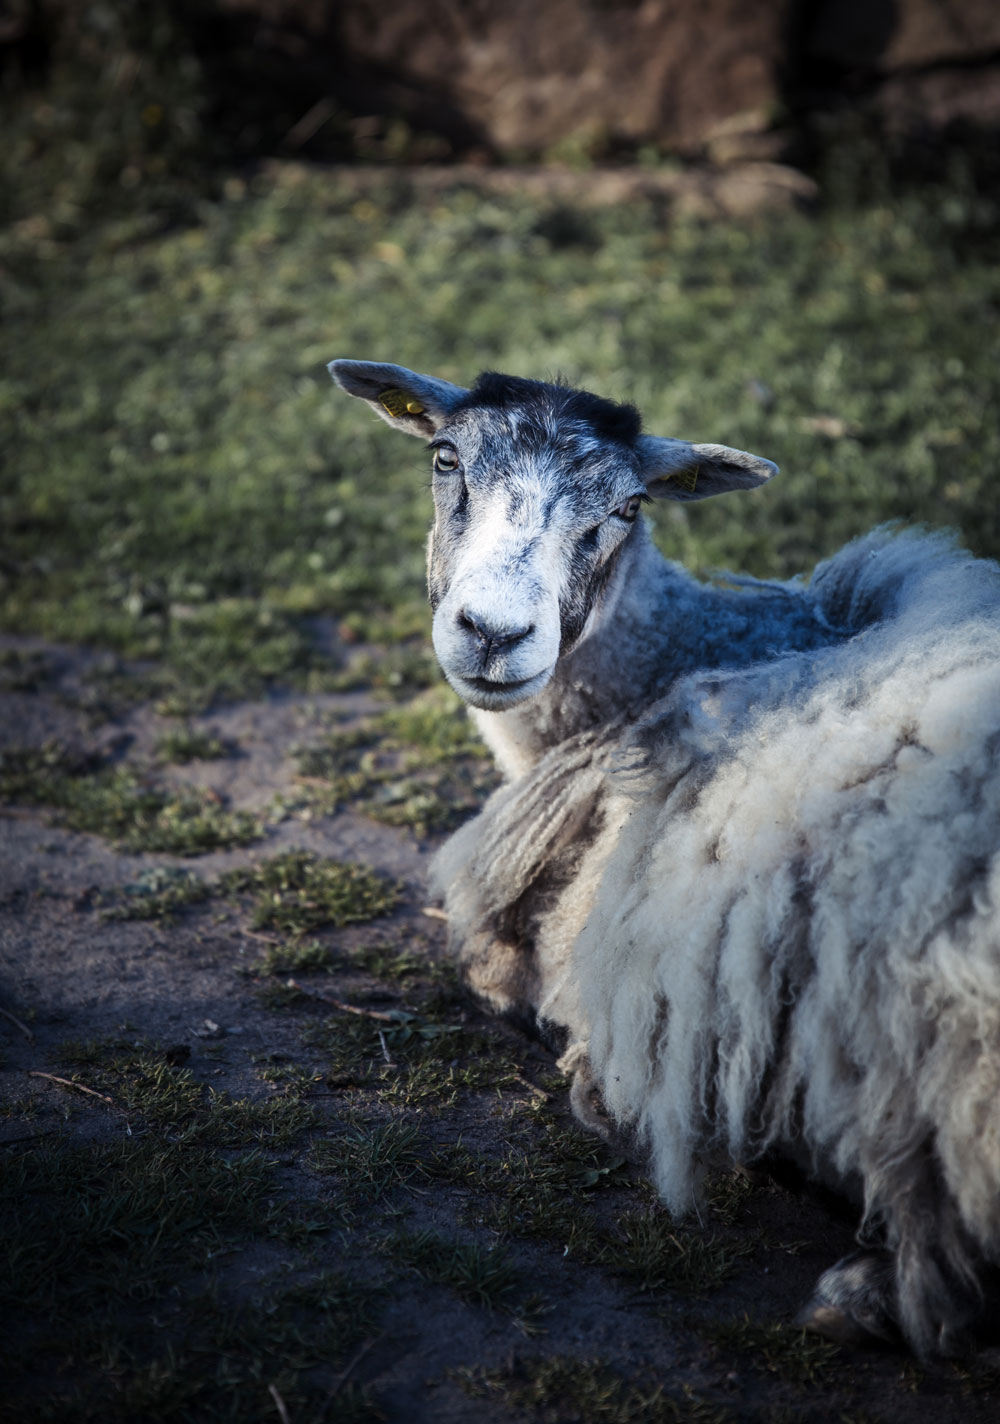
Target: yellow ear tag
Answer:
[[398, 403], [687, 479]]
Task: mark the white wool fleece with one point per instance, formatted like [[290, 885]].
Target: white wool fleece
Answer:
[[796, 937]]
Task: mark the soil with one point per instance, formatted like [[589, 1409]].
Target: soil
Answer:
[[71, 973]]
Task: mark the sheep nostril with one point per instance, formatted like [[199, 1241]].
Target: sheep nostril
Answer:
[[515, 635], [470, 625], [492, 639]]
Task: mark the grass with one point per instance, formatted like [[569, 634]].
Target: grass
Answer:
[[778, 1349], [112, 1249], [186, 744], [373, 1160], [420, 765], [122, 804], [297, 892], [157, 894], [188, 487], [563, 1388], [481, 1274], [293, 893], [654, 1253]]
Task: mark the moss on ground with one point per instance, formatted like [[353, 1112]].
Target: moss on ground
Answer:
[[122, 804]]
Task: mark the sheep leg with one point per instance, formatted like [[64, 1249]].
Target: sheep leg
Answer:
[[853, 1302], [925, 1287]]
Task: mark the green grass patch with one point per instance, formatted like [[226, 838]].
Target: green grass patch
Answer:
[[373, 1160], [653, 1252], [297, 892], [198, 494], [797, 1356], [292, 893], [421, 765], [481, 1274], [108, 1273], [186, 744], [295, 957], [557, 1388], [121, 804], [157, 894]]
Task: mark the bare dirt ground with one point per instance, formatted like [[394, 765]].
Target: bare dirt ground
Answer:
[[555, 1311]]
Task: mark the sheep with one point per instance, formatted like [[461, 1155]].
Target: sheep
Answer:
[[744, 866]]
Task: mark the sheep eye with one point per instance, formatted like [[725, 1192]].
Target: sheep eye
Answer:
[[630, 508], [446, 460]]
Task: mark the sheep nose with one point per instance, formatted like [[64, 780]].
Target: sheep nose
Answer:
[[492, 640]]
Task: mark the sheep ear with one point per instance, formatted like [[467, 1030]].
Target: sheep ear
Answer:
[[416, 404], [676, 470]]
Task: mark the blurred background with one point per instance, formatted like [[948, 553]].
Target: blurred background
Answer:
[[773, 226]]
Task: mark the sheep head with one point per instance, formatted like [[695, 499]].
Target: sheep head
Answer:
[[537, 488]]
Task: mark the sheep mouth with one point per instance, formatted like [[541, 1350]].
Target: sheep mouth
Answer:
[[496, 696], [502, 689]]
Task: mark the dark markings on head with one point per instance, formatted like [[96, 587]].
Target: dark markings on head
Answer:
[[543, 404], [584, 589]]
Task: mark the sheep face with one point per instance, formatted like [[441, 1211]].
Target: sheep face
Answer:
[[536, 489], [532, 509]]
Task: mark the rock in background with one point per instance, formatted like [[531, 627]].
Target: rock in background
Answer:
[[578, 80]]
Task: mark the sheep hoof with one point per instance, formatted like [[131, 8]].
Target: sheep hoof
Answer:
[[851, 1304]]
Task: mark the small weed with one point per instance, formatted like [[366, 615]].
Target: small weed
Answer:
[[481, 1274], [186, 744], [388, 962], [297, 892], [727, 1196], [150, 1088], [795, 1355], [559, 1387], [351, 1045], [274, 1121], [373, 1161], [296, 957], [157, 894], [655, 1253]]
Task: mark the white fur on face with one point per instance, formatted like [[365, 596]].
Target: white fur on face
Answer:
[[507, 578]]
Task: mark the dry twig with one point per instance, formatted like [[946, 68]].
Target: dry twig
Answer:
[[344, 1007], [68, 1083], [18, 1024], [264, 939], [341, 1379], [279, 1404]]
